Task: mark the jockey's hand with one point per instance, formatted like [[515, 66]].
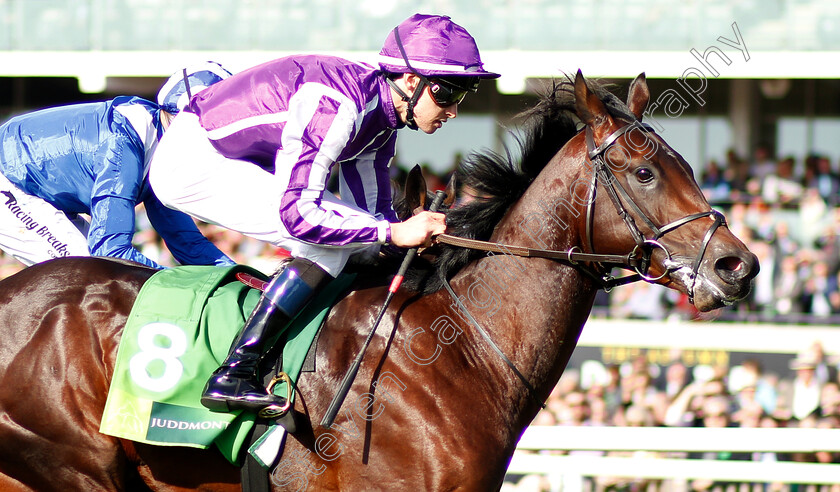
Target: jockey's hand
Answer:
[[418, 230]]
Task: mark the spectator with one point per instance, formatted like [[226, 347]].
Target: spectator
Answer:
[[762, 164], [783, 242], [812, 214], [598, 412], [574, 410], [641, 392], [821, 177], [740, 174], [830, 400], [817, 290], [789, 287], [715, 184], [750, 376], [804, 398], [676, 378], [612, 389], [828, 240], [823, 372], [781, 187]]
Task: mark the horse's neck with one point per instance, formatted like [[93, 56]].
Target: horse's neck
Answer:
[[533, 308]]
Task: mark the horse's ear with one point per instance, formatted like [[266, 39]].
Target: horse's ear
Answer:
[[639, 96], [451, 189], [415, 189], [588, 106]]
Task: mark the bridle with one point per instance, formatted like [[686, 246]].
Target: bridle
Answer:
[[639, 259], [618, 196]]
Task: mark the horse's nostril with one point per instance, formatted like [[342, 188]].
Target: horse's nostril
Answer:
[[736, 268], [731, 264]]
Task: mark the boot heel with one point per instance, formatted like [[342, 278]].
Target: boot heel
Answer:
[[215, 404]]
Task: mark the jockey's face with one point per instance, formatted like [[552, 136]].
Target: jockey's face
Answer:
[[428, 115]]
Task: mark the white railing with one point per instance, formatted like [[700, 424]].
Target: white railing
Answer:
[[583, 444], [533, 453], [735, 337]]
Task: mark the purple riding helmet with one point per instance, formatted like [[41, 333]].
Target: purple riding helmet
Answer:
[[440, 52]]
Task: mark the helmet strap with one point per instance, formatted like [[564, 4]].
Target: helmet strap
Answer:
[[418, 91], [412, 100]]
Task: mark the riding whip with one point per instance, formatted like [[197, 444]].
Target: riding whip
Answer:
[[339, 397]]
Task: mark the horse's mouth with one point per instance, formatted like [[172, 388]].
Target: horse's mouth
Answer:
[[708, 292]]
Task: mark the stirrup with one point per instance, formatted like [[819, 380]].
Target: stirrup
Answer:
[[273, 412]]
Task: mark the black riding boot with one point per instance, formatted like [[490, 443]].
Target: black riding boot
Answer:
[[236, 385]]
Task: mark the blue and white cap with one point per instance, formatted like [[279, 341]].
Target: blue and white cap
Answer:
[[185, 83]]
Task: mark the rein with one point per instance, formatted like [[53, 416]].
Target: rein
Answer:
[[573, 257]]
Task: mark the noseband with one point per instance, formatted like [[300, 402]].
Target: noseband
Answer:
[[618, 196]]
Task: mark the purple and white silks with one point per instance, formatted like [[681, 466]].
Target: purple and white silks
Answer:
[[297, 117]]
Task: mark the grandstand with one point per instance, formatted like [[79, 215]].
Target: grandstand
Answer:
[[119, 46]]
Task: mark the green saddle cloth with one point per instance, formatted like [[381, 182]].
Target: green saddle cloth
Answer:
[[179, 331]]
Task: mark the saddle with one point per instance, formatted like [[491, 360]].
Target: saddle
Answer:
[[175, 337]]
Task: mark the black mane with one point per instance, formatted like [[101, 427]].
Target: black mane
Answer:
[[501, 179]]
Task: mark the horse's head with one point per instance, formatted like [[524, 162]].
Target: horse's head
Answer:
[[641, 197]]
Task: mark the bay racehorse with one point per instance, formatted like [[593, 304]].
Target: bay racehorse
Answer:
[[435, 406]]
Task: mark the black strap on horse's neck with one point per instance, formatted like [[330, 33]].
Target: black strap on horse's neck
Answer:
[[486, 337]]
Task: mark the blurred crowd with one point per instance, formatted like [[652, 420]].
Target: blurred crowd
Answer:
[[639, 393]]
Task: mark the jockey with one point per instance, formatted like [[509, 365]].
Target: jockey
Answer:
[[254, 154], [93, 159]]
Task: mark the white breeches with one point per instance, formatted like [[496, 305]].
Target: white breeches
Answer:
[[32, 230], [188, 174]]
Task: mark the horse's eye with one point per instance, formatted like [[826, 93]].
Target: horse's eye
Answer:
[[644, 175]]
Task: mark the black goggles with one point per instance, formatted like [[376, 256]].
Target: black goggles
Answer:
[[445, 94]]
